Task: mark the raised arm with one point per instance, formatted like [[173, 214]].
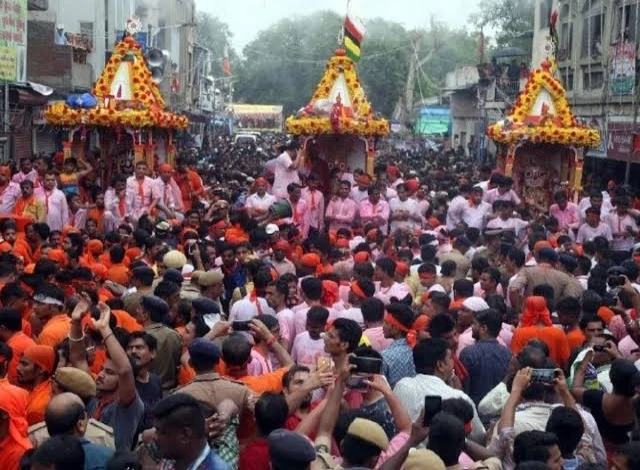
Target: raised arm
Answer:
[[126, 380], [77, 347]]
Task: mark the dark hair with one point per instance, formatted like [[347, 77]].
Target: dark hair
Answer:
[[51, 290], [586, 319], [546, 291], [440, 325], [312, 288], [624, 377], [492, 319], [45, 268], [368, 287], [317, 315], [402, 313], [463, 287], [458, 407], [150, 341], [11, 319], [290, 374], [517, 256], [446, 437], [60, 452], [236, 350], [387, 266], [180, 411], [427, 353], [533, 445], [567, 425], [448, 268], [348, 332], [116, 254], [440, 299], [372, 310], [494, 274], [271, 412], [166, 289], [568, 306]]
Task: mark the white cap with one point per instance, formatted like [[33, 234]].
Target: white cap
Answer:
[[271, 229], [60, 26]]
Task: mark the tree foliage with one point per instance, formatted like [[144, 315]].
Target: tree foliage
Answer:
[[509, 19], [285, 61]]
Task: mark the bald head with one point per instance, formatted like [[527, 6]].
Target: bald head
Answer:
[[65, 414]]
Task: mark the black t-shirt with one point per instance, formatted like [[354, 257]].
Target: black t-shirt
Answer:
[[614, 433], [150, 394]]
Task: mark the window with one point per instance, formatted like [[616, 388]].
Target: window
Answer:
[[626, 23], [566, 77], [592, 28], [566, 35], [592, 80]]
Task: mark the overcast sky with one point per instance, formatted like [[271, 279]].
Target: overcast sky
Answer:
[[246, 17]]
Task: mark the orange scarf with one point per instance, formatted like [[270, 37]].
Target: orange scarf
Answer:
[[22, 204], [98, 215], [411, 334]]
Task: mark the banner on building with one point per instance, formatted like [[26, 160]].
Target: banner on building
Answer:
[[13, 40], [623, 68]]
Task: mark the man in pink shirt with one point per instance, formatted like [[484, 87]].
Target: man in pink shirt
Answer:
[[373, 315], [503, 192], [26, 171], [9, 191], [139, 193], [566, 213], [388, 287], [299, 210], [341, 210], [54, 201], [374, 210], [470, 307], [166, 194], [315, 203], [276, 296]]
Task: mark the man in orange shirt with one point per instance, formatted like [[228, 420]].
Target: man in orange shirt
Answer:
[[118, 272], [48, 307], [535, 323], [236, 353], [568, 309], [28, 206], [11, 242], [34, 372], [189, 183], [13, 416], [11, 334]]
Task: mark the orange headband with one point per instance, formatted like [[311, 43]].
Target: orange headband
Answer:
[[355, 287], [411, 335], [427, 276]]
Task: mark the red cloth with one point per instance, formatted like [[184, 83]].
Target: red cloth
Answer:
[[255, 456]]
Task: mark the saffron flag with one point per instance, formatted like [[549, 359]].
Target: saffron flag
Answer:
[[353, 34], [226, 63]]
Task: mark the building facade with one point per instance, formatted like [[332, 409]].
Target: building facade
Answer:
[[70, 41], [598, 63]]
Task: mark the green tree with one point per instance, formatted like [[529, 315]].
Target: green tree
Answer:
[[508, 18], [214, 34]]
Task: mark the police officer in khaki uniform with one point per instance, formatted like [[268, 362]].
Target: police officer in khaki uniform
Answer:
[[70, 379]]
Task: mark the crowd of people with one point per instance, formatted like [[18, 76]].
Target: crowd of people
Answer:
[[257, 307]]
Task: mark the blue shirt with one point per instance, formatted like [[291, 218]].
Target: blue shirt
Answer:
[[486, 362], [95, 456], [397, 362]]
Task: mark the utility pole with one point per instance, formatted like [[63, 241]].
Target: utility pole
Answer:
[[636, 97]]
